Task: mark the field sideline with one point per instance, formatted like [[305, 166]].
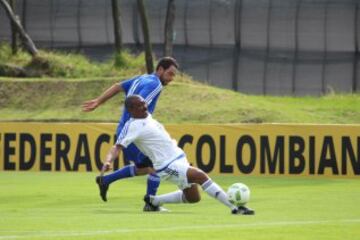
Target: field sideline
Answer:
[[36, 205]]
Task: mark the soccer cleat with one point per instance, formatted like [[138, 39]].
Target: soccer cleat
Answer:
[[149, 207], [242, 210], [152, 208], [102, 187]]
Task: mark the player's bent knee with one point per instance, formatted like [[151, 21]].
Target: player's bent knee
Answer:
[[192, 194], [193, 199]]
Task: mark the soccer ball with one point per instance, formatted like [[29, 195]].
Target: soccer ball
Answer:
[[238, 194]]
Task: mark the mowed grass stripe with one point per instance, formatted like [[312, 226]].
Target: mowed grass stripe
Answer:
[[49, 234], [53, 205]]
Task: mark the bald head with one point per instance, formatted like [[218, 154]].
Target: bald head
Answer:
[[136, 106], [131, 100]]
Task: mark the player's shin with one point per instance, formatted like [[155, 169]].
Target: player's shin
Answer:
[[153, 183], [215, 191], [125, 172], [173, 197]]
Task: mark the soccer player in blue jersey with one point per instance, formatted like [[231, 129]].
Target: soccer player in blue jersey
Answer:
[[148, 86]]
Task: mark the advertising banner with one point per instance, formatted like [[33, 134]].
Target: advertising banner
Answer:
[[237, 149]]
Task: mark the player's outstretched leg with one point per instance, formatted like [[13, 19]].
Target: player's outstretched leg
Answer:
[[155, 202], [125, 172], [215, 191], [190, 193], [196, 175], [172, 197]]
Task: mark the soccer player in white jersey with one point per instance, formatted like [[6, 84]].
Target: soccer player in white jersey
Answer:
[[169, 161], [148, 86]]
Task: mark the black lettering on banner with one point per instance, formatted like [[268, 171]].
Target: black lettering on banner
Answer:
[[99, 141], [328, 147], [8, 151], [246, 140], [296, 152], [265, 154], [205, 139], [223, 167], [82, 146], [312, 154], [26, 164], [187, 138], [62, 152], [347, 150], [45, 151]]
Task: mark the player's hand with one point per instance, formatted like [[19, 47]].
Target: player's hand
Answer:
[[90, 105], [106, 167]]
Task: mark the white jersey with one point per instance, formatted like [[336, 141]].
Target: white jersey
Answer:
[[152, 139]]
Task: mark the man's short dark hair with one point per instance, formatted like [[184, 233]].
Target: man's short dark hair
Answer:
[[129, 101], [167, 62]]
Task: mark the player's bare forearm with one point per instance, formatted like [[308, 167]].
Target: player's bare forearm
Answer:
[[113, 153], [91, 105], [109, 93], [110, 157]]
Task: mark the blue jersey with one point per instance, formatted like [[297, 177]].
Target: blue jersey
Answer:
[[149, 87]]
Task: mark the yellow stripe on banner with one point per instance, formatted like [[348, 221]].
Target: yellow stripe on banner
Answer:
[[241, 149]]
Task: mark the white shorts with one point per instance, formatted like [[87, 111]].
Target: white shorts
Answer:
[[175, 172]]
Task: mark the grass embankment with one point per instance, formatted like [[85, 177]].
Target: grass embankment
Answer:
[[56, 64], [59, 93]]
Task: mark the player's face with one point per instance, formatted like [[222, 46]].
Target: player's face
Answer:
[[166, 76], [139, 109]]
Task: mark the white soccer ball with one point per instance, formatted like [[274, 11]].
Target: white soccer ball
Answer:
[[238, 194]]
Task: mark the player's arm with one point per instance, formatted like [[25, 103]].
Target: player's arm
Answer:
[[127, 135], [90, 105], [110, 157]]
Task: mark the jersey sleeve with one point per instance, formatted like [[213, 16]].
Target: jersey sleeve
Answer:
[[126, 85], [128, 134]]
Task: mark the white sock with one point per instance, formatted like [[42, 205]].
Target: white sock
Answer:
[[173, 197], [216, 192]]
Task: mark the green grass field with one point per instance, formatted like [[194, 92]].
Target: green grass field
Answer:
[[37, 205]]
